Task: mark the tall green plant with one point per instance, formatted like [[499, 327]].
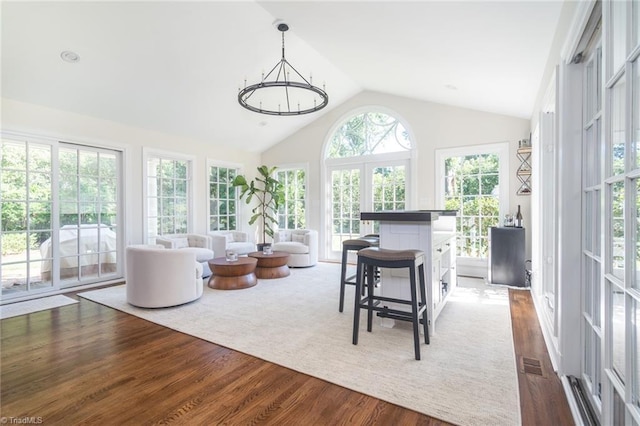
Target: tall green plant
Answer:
[[269, 193]]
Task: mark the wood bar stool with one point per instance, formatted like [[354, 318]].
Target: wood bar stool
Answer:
[[355, 244], [368, 259]]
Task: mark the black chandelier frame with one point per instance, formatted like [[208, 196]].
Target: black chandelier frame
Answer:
[[282, 80]]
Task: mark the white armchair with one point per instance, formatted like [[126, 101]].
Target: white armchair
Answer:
[[301, 244], [199, 245], [158, 278], [237, 241]]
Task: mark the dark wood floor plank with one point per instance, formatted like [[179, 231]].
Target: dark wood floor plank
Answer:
[[89, 364], [529, 343]]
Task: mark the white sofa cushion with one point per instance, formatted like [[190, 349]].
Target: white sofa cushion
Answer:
[[180, 242], [237, 241], [291, 247], [202, 254], [241, 247]]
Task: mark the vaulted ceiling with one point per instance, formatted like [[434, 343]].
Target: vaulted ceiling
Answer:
[[176, 67]]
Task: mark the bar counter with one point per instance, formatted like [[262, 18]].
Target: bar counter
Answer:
[[433, 232]]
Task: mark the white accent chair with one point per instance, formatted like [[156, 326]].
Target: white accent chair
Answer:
[[237, 241], [301, 244], [200, 245], [158, 278]]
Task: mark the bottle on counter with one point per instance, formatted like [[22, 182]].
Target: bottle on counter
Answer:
[[519, 218]]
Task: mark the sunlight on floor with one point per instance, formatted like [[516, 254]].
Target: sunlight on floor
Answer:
[[476, 290]]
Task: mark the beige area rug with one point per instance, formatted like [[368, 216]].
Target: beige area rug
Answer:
[[467, 374], [35, 305]]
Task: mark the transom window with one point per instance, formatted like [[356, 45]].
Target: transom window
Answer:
[[369, 133]]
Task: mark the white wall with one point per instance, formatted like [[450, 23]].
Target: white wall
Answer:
[[433, 126], [70, 127]]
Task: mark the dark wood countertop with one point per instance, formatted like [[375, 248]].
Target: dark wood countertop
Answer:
[[407, 215]]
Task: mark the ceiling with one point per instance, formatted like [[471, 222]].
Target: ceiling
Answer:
[[176, 67]]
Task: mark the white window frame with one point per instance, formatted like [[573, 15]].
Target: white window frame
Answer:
[[304, 167], [148, 153], [223, 164], [469, 265]]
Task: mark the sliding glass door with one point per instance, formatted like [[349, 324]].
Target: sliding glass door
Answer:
[[26, 204], [88, 213], [60, 217]]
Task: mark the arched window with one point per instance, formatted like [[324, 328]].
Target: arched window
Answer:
[[369, 133]]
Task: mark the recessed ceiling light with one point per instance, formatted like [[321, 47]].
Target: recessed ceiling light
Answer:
[[69, 56]]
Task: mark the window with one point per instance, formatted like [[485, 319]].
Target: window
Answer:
[[367, 134], [292, 212], [474, 182], [168, 195], [223, 199]]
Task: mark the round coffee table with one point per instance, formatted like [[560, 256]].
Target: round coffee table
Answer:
[[232, 275], [272, 265]]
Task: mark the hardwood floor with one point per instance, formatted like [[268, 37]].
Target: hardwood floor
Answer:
[[542, 398], [89, 364]]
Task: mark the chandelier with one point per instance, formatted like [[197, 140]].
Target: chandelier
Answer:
[[287, 93]]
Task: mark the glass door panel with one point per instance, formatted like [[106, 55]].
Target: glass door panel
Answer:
[[472, 187], [25, 209], [617, 320], [591, 224], [345, 207], [388, 190], [88, 237], [618, 124], [616, 267], [373, 186]]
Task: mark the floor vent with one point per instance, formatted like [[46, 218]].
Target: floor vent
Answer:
[[531, 366]]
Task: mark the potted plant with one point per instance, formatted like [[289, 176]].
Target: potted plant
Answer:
[[269, 193]]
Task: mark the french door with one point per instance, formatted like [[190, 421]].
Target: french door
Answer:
[[373, 185]]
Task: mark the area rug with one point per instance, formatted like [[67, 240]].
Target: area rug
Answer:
[[35, 305], [467, 374]]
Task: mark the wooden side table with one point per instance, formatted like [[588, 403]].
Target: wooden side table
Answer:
[[232, 275], [272, 265]]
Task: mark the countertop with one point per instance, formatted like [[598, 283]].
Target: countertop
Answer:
[[407, 215]]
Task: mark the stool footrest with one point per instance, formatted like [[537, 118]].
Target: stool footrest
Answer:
[[386, 299], [385, 311], [383, 314]]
